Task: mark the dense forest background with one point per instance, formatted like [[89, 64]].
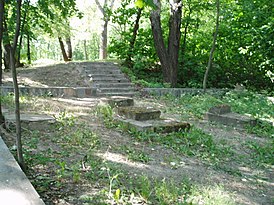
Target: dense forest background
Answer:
[[121, 30]]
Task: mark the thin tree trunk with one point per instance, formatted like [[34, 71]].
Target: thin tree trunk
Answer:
[[85, 49], [28, 49], [16, 89], [62, 46], [18, 64], [185, 38], [69, 50], [2, 2], [133, 39], [209, 65], [104, 34], [7, 56]]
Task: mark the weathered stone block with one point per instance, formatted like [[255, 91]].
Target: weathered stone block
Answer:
[[69, 92], [231, 119], [120, 101], [220, 109], [139, 113], [161, 125]]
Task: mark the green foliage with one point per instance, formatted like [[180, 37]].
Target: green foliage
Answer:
[[143, 53], [262, 154], [65, 119], [136, 155], [105, 112]]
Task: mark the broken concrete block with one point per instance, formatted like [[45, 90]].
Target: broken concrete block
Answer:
[[160, 125], [119, 101], [139, 113], [231, 119]]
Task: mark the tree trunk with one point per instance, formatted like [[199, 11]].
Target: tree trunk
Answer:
[[104, 41], [2, 2], [65, 57], [7, 56], [168, 56], [174, 40], [69, 50], [104, 34], [128, 61], [18, 64], [185, 37], [85, 50], [28, 49], [16, 89], [209, 65]]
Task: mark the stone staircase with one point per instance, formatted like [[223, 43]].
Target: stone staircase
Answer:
[[108, 79]]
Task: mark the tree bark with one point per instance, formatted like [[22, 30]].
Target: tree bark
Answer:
[[7, 56], [62, 46], [16, 89], [174, 40], [168, 56], [2, 3], [185, 37], [69, 50], [104, 41], [28, 49], [128, 61], [209, 65], [85, 50], [104, 35], [18, 64]]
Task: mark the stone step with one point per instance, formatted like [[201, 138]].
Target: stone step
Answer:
[[103, 81], [113, 85], [118, 101], [161, 125], [128, 94], [98, 64], [115, 90], [222, 114], [102, 70], [109, 75], [139, 113], [108, 78], [231, 119]]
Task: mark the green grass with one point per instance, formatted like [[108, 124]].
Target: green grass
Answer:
[[74, 143]]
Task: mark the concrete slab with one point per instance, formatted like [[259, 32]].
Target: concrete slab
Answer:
[[231, 119], [139, 113], [29, 117], [119, 101], [160, 125], [15, 188]]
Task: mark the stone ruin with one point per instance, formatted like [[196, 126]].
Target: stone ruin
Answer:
[[143, 118], [222, 114]]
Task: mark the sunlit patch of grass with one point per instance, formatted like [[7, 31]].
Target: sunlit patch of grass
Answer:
[[215, 195], [190, 105]]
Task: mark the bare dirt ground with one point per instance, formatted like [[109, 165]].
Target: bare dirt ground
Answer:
[[61, 75], [244, 183]]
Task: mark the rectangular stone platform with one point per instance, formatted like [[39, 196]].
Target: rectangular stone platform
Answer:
[[15, 188], [161, 125], [119, 101], [231, 119], [139, 113]]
